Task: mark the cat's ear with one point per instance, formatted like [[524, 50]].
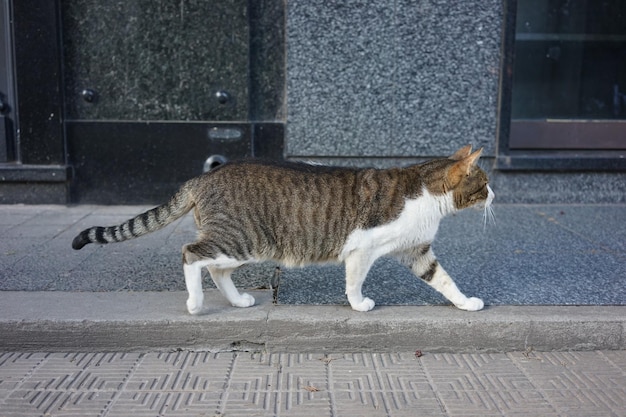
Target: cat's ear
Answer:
[[464, 152], [473, 158], [462, 168]]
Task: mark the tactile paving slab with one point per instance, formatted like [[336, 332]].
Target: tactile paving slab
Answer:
[[279, 384]]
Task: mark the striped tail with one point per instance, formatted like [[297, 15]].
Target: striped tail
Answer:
[[150, 221]]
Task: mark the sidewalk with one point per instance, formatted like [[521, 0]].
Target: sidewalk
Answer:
[[313, 384], [552, 278], [533, 255]]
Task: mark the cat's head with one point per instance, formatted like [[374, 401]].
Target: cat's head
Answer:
[[461, 176]]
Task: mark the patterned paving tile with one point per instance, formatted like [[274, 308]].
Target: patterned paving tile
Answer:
[[483, 385], [180, 371], [578, 383], [571, 370], [277, 384], [81, 371], [174, 383], [589, 402], [382, 384], [67, 384], [616, 358], [16, 367], [162, 403], [56, 403], [359, 384]]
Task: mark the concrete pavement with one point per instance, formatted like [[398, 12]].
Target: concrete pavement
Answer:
[[550, 342], [532, 255], [552, 277], [313, 384], [130, 321]]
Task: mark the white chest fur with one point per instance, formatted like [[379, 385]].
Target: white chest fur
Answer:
[[418, 223]]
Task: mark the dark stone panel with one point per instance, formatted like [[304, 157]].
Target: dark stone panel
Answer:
[[7, 131], [144, 162], [38, 81], [7, 86], [156, 60], [267, 60], [268, 141], [506, 79], [34, 192], [15, 172], [555, 161]]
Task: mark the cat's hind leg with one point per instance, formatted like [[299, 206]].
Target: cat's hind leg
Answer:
[[195, 257], [424, 264], [193, 282], [224, 283], [358, 264]]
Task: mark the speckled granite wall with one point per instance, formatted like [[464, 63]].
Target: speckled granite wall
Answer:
[[156, 60], [392, 79]]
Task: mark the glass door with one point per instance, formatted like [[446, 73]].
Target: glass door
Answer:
[[569, 75]]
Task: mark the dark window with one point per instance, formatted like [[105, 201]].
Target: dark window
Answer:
[[569, 75]]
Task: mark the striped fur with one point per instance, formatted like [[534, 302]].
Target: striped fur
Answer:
[[150, 221], [298, 214]]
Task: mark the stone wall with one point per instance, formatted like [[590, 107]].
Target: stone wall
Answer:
[[392, 79], [374, 83]]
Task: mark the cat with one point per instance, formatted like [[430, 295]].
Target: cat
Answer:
[[298, 214]]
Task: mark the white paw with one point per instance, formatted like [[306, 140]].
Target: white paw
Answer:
[[366, 305], [194, 306], [472, 304], [246, 300]]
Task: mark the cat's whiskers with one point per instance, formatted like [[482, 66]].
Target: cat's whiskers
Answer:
[[489, 216]]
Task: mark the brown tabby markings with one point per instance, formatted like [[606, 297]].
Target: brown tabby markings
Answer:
[[430, 272], [298, 214], [321, 209]]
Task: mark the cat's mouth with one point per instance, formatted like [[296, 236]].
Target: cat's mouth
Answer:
[[490, 196], [486, 206]]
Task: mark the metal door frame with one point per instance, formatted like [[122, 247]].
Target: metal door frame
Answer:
[[7, 87]]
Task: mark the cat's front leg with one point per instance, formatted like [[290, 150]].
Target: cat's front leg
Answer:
[[424, 264], [439, 279], [357, 265]]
